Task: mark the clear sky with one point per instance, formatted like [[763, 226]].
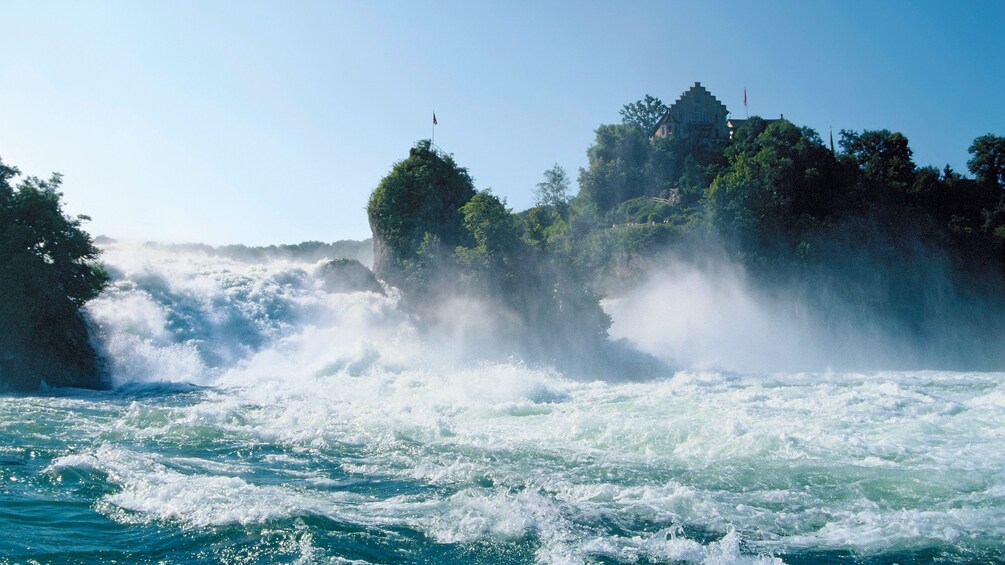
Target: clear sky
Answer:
[[271, 122]]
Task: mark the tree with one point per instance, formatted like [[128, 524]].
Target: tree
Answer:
[[436, 238], [988, 165], [617, 163], [498, 248], [554, 191], [664, 163], [745, 138], [422, 194], [774, 182], [645, 113], [48, 270], [730, 200], [692, 182], [543, 226], [988, 161], [883, 159]]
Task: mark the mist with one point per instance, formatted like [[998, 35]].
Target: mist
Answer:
[[190, 314], [361, 250], [851, 312], [185, 314]]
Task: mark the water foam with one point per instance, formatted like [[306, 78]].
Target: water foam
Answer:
[[335, 396]]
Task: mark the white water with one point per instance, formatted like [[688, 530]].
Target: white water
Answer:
[[699, 465]]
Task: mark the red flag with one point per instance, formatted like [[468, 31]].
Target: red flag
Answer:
[[744, 102], [434, 118]]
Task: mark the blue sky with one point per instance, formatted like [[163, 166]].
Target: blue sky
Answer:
[[270, 122]]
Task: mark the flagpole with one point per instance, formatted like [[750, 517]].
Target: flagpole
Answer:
[[432, 138]]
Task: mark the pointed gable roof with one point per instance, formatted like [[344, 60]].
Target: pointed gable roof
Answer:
[[697, 95]]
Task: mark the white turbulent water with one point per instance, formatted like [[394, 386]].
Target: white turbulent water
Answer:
[[694, 466]]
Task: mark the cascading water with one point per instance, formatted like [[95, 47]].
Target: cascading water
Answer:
[[258, 418]]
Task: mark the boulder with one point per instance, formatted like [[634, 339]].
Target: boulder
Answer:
[[348, 275]]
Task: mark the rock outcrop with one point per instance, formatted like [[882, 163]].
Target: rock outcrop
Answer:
[[348, 275]]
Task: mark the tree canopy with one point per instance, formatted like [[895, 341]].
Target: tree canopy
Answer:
[[884, 160], [773, 180], [645, 113], [47, 272], [988, 161], [417, 203], [776, 190], [554, 190], [774, 196], [625, 163], [440, 239], [617, 166]]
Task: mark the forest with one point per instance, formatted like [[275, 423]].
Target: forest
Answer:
[[918, 248]]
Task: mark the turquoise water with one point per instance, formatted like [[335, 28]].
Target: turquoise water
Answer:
[[257, 419], [697, 468]]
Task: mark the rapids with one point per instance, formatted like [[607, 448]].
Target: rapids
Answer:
[[257, 418]]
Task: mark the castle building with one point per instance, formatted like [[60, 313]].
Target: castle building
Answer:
[[699, 116], [695, 115]]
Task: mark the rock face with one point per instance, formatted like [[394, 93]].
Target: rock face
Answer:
[[384, 267], [348, 275]]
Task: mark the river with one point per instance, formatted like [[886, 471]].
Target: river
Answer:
[[256, 418]]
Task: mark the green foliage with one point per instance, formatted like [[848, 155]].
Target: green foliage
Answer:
[[776, 192], [496, 233], [644, 114], [617, 169], [883, 159], [648, 239], [547, 221], [745, 138], [729, 201], [47, 272], [988, 161], [692, 182], [421, 272], [554, 190], [545, 294], [421, 195], [994, 221], [642, 210], [783, 195], [543, 226], [780, 179], [626, 162], [783, 200], [436, 237]]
